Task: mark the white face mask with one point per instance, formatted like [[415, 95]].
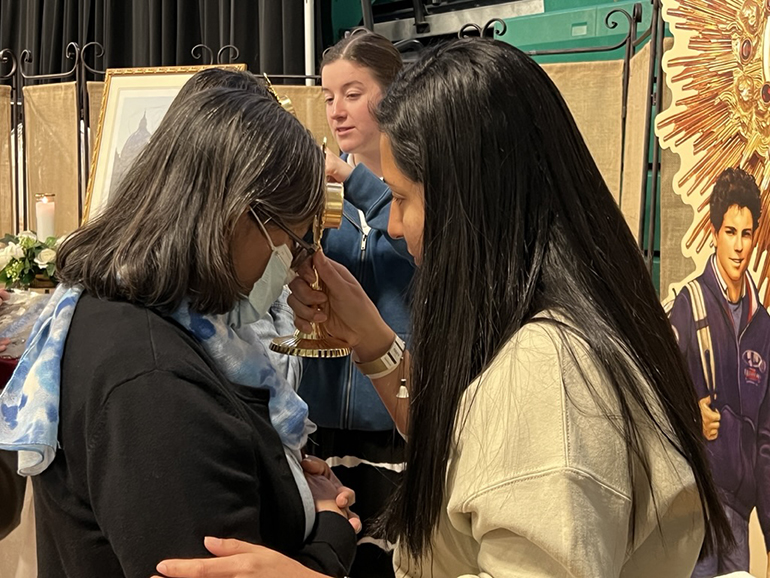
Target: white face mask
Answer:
[[268, 287], [277, 274]]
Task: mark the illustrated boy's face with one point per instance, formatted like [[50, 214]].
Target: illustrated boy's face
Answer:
[[734, 242]]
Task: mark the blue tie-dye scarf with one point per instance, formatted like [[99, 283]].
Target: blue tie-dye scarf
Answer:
[[29, 404]]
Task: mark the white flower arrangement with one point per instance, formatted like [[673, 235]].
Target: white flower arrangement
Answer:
[[24, 259]]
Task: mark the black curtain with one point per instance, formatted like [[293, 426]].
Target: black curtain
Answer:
[[135, 33]]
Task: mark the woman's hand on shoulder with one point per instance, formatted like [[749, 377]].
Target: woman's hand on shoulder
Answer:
[[337, 170], [236, 559]]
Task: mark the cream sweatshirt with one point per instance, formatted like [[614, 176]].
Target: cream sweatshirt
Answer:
[[538, 483]]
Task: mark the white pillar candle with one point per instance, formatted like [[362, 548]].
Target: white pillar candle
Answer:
[[44, 211]]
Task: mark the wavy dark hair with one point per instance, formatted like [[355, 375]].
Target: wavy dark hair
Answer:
[[167, 232], [514, 200]]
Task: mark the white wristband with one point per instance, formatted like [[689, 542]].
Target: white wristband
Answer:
[[386, 364]]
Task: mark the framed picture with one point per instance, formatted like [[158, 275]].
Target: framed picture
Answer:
[[133, 104]]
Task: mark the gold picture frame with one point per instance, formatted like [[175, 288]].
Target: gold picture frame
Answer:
[[121, 131]]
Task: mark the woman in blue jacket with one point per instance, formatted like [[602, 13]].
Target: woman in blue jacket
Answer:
[[355, 433]]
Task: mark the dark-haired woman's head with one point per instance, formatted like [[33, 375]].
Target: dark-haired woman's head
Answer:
[[179, 223], [355, 73], [506, 213], [215, 77]]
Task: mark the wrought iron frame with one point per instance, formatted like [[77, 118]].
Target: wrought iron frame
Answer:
[[19, 80], [7, 56]]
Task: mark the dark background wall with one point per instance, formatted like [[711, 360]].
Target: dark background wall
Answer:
[[136, 33]]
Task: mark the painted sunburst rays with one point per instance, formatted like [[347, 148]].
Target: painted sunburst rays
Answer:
[[719, 74]]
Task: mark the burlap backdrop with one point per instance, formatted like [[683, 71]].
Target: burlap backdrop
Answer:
[[594, 93], [95, 93], [634, 156], [7, 205], [675, 216], [592, 90], [51, 124], [310, 107]]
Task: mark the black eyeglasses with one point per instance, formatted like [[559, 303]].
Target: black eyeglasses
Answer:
[[303, 249]]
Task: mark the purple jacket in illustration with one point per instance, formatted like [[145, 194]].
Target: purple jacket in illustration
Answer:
[[740, 456]]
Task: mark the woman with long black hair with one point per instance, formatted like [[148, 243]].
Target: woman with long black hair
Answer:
[[552, 427]]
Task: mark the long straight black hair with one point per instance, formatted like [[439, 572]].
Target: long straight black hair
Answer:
[[515, 203]]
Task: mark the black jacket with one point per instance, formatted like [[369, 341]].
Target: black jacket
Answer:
[[157, 451]]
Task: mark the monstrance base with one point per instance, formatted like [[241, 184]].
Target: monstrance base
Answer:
[[307, 346]]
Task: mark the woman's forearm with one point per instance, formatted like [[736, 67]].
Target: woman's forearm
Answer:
[[388, 388], [377, 344]]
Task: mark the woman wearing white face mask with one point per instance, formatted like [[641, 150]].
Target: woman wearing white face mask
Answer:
[[280, 268], [152, 421], [266, 308]]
